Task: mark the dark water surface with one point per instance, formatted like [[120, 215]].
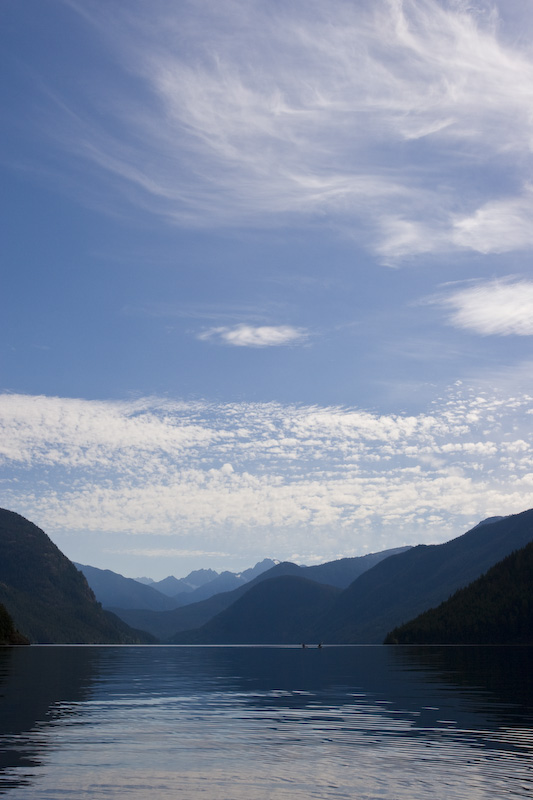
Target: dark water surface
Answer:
[[394, 723]]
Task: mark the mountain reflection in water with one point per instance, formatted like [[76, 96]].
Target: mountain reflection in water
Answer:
[[266, 722]]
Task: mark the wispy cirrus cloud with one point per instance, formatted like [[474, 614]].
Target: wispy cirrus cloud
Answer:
[[407, 124], [281, 479], [255, 335], [493, 308]]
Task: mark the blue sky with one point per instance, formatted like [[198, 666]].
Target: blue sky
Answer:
[[266, 276]]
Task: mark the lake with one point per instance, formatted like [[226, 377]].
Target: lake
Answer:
[[221, 723]]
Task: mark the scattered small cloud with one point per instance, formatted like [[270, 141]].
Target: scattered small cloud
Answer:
[[255, 335], [283, 479]]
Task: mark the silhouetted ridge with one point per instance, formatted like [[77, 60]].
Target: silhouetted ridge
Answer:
[[112, 589], [405, 585], [495, 609], [396, 589], [47, 597], [165, 624], [277, 610]]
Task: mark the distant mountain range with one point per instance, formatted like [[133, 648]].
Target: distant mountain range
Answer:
[[166, 624], [116, 591], [225, 582], [348, 601], [172, 586], [390, 593]]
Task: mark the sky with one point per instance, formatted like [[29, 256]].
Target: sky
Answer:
[[266, 275]]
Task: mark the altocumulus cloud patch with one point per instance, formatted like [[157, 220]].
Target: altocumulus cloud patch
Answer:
[[265, 471]]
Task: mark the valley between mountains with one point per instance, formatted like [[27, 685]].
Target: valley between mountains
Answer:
[[476, 588]]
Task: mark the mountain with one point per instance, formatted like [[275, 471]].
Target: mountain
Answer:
[[169, 625], [112, 589], [172, 586], [258, 569], [274, 611], [405, 585], [396, 589], [280, 606], [226, 582], [164, 624], [344, 571], [48, 599], [488, 521], [169, 586], [495, 609], [119, 594]]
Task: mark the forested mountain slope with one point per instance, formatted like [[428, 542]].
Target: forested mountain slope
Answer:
[[405, 585], [495, 609], [47, 597]]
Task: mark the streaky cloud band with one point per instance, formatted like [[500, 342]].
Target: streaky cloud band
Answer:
[[397, 123]]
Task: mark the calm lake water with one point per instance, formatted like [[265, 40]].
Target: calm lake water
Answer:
[[266, 722]]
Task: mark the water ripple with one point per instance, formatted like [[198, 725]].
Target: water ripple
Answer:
[[235, 724]]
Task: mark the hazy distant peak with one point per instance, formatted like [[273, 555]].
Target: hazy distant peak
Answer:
[[258, 569], [199, 577]]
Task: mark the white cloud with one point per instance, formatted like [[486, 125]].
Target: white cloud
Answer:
[[249, 113], [498, 226], [98, 435], [216, 477], [255, 336], [497, 307]]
